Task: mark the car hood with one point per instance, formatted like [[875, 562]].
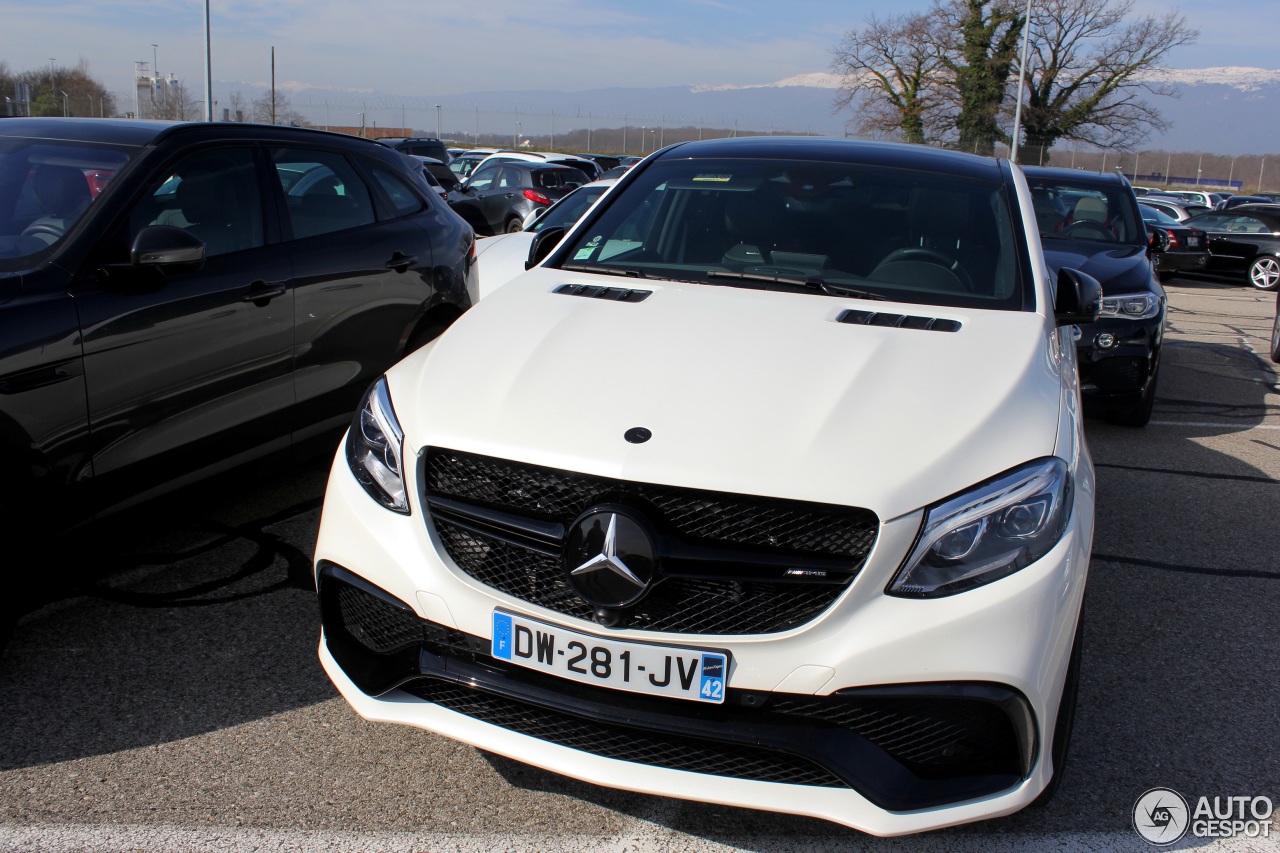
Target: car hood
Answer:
[[1119, 269], [744, 391]]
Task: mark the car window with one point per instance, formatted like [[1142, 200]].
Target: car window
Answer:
[[403, 199], [510, 176], [1211, 221], [557, 178], [569, 209], [908, 235], [482, 177], [1248, 225], [46, 188], [329, 195], [214, 195], [1083, 210]]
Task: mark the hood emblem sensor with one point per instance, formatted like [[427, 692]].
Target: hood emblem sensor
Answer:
[[637, 435]]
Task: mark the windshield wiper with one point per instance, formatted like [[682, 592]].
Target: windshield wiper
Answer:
[[601, 270], [810, 283]]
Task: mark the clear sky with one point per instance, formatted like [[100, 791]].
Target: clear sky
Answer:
[[432, 48]]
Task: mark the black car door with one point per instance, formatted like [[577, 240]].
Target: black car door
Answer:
[[362, 274], [188, 371]]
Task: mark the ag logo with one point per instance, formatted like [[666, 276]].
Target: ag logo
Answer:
[[1161, 816]]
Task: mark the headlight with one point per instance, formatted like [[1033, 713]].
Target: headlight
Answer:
[[1132, 306], [375, 449], [988, 532]]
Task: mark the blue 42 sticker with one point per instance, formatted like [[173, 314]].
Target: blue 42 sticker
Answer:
[[682, 673]]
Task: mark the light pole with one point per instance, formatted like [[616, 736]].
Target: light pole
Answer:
[[65, 110], [516, 143], [1199, 163], [1232, 172], [1261, 166], [209, 102], [155, 76], [1022, 79], [437, 121]]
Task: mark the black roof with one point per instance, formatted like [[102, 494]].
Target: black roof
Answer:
[[1056, 173], [138, 132], [821, 148]]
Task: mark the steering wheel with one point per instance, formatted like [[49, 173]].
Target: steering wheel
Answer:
[[930, 256], [49, 232], [1098, 228]]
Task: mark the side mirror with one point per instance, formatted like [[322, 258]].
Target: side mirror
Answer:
[[165, 245], [1079, 298], [543, 242], [1159, 241]]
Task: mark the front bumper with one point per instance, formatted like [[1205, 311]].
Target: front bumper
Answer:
[[837, 719], [1118, 357]]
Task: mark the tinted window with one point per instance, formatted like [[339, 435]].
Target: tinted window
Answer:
[[46, 187], [214, 194], [403, 199], [324, 192], [913, 236]]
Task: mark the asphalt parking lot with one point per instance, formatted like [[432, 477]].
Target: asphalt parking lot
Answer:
[[170, 698]]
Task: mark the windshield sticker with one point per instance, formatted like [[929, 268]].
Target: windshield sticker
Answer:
[[715, 179], [583, 254]]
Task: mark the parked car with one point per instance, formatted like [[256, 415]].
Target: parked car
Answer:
[[438, 174], [1237, 200], [1245, 239], [1202, 198], [464, 164], [604, 161], [183, 298], [502, 257], [585, 165], [500, 194], [1174, 208], [1272, 197], [425, 146], [1090, 221], [1176, 248], [766, 487]]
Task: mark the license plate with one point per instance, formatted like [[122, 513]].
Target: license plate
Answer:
[[695, 674], [1193, 241]]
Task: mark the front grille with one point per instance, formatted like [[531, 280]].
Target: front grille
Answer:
[[1114, 374], [932, 735], [656, 749], [730, 600]]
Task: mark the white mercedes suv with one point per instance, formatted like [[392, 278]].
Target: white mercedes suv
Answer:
[[764, 486]]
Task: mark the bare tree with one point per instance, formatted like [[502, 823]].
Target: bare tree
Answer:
[[890, 71], [179, 103], [277, 111], [238, 108], [1089, 70]]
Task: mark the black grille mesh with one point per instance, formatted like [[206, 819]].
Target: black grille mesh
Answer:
[[1117, 374], [376, 624], [935, 734], [657, 749], [680, 605]]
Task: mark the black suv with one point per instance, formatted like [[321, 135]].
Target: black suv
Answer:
[[501, 193], [423, 146], [176, 299], [1091, 222]]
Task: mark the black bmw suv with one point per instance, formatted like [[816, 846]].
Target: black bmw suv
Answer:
[[1091, 222], [179, 298]]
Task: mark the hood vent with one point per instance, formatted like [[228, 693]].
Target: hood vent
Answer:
[[901, 321], [616, 294]]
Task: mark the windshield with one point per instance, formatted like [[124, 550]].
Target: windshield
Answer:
[[1071, 210], [46, 188], [833, 228]]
